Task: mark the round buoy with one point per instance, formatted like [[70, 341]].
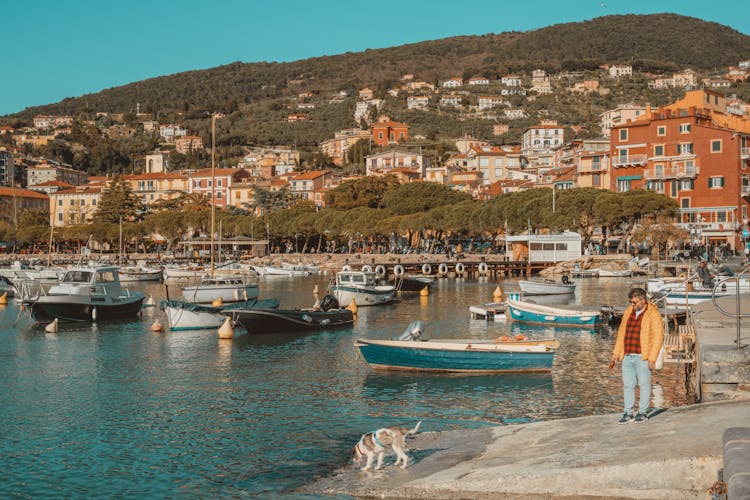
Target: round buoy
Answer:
[[353, 307], [157, 327], [483, 268], [52, 327], [366, 269], [520, 337], [217, 302], [4, 299], [93, 314], [225, 330], [443, 268], [682, 276], [497, 294], [426, 269], [424, 292], [346, 267], [398, 270], [380, 270], [459, 268]]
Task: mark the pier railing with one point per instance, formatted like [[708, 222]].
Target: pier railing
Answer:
[[737, 314]]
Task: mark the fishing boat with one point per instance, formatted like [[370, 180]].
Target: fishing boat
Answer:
[[410, 352], [183, 315], [527, 312], [140, 273], [86, 294], [413, 283], [362, 287], [259, 320], [547, 286], [227, 289]]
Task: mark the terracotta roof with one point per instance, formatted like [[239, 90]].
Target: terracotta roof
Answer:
[[53, 184], [206, 172], [313, 174], [80, 190], [23, 193], [157, 175], [389, 124]]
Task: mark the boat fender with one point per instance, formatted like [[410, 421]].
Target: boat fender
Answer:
[[443, 268], [682, 276], [93, 314], [521, 337], [380, 270], [398, 270], [346, 267], [426, 269], [483, 267], [366, 269], [565, 280], [460, 268], [307, 318], [504, 338], [325, 322]]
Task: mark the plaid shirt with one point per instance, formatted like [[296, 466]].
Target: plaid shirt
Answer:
[[633, 332]]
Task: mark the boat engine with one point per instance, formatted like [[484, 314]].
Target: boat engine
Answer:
[[413, 331], [329, 302]]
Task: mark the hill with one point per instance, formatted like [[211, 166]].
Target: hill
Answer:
[[649, 42]]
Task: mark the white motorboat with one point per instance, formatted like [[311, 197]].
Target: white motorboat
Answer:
[[615, 273], [311, 268], [362, 287], [547, 286], [86, 294], [280, 271], [140, 273], [183, 315], [229, 289], [177, 272]]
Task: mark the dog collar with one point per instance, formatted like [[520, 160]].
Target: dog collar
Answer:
[[377, 441], [358, 448]]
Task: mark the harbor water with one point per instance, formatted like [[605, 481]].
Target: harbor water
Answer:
[[114, 409]]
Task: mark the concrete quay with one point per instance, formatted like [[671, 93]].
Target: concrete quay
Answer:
[[674, 455]]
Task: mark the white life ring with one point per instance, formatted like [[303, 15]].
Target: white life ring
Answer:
[[426, 269], [483, 268], [443, 268], [398, 270], [366, 268], [460, 268], [380, 270], [346, 267]]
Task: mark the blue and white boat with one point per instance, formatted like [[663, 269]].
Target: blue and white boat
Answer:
[[362, 287], [527, 312], [409, 352]]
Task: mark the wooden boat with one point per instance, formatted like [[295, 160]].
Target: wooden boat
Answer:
[[408, 352], [183, 315], [363, 287], [527, 312], [260, 320], [140, 273], [547, 287], [87, 294], [227, 288], [615, 273]]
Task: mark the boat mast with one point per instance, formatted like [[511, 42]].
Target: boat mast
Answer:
[[49, 248], [213, 184]]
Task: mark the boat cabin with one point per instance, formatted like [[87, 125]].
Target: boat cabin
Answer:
[[356, 278], [544, 248], [91, 275]]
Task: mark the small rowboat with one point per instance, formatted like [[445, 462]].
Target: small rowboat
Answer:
[[547, 287], [526, 312]]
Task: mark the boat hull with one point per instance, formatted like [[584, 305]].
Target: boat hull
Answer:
[[525, 312], [290, 320], [141, 276], [71, 308], [188, 316], [541, 288], [365, 296], [229, 293], [468, 357]]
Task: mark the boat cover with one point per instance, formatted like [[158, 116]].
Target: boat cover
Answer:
[[247, 304]]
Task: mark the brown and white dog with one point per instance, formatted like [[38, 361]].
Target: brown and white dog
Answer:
[[375, 443]]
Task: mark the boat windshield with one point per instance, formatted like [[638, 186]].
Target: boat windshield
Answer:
[[77, 277], [105, 277]]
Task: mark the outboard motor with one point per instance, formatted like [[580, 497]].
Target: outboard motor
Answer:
[[413, 331], [329, 302]]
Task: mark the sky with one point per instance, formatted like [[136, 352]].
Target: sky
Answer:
[[67, 48]]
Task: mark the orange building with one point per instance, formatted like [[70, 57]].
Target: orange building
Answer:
[[694, 153], [386, 132]]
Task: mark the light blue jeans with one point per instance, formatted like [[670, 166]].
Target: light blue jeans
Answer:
[[635, 369]]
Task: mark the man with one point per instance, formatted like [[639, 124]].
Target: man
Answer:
[[707, 279], [638, 343]]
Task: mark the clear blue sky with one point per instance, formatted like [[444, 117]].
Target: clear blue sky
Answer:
[[66, 48]]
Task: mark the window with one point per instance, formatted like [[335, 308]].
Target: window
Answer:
[[721, 216], [218, 195], [684, 128], [380, 135], [686, 184], [716, 182], [60, 216], [685, 148], [657, 186], [93, 201], [596, 180], [685, 203], [498, 172], [59, 203], [661, 130], [659, 150], [716, 146], [218, 183], [105, 277], [623, 134], [658, 170], [623, 185], [72, 202]]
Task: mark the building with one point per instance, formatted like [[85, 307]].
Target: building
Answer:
[[490, 101], [695, 153], [500, 129], [45, 121], [621, 114], [417, 101], [542, 138], [188, 144], [383, 163], [156, 163], [514, 114], [590, 160], [10, 174], [37, 174], [266, 162], [451, 101], [464, 144], [366, 94], [202, 182], [479, 80], [311, 186], [158, 186], [511, 81], [342, 141], [540, 82], [363, 108], [51, 187], [17, 200], [385, 132], [494, 162], [620, 70], [453, 83], [171, 132], [74, 206]]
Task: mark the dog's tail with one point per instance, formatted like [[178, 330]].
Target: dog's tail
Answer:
[[415, 429]]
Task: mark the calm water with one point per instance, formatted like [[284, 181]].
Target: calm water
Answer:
[[115, 409]]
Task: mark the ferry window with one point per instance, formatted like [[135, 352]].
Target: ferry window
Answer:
[[105, 277], [561, 246], [77, 277]]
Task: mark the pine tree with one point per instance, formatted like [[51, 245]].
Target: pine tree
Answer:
[[118, 202]]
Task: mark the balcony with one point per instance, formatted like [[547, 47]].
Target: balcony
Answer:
[[592, 168], [629, 161], [744, 153], [672, 173]]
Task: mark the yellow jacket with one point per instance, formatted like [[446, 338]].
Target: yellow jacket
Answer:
[[652, 333]]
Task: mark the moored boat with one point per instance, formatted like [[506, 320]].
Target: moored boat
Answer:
[[280, 271], [87, 294], [259, 320], [527, 312], [615, 273], [409, 352], [140, 273], [362, 287], [547, 286], [414, 283], [183, 315], [228, 289]]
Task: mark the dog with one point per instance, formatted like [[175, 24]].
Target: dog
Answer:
[[375, 443]]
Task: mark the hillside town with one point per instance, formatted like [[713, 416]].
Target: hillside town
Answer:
[[696, 150]]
